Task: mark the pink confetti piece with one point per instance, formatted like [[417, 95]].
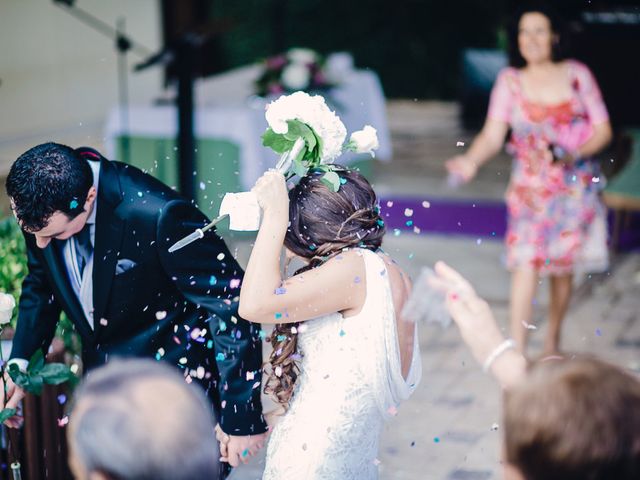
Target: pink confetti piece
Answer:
[[234, 283], [63, 421]]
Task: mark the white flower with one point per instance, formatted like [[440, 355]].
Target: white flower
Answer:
[[7, 304], [304, 56], [295, 76], [365, 140], [313, 111]]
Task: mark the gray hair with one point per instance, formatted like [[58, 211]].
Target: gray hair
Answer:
[[139, 420]]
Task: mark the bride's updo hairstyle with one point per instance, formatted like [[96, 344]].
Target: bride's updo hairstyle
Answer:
[[322, 224]]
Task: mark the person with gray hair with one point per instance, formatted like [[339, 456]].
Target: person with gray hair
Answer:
[[139, 420]]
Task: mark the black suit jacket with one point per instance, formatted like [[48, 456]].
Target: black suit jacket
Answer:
[[180, 307]]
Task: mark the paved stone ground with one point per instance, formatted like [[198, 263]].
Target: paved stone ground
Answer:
[[450, 428]]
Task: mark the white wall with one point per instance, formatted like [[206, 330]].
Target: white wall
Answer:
[[59, 77]]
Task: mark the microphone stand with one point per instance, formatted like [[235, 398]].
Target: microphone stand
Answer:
[[123, 44]]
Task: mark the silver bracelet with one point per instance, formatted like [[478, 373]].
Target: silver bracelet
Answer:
[[499, 350]]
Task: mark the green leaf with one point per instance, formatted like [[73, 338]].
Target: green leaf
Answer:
[[34, 385], [276, 141], [56, 373], [299, 129], [331, 180], [6, 413], [37, 362], [298, 167]]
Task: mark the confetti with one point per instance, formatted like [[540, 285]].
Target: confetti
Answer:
[[392, 410], [281, 291], [220, 256], [342, 333], [278, 315], [250, 376], [278, 371], [479, 241], [161, 315], [356, 280], [213, 280], [222, 326], [408, 212], [459, 144], [220, 357], [389, 203], [140, 194], [62, 399], [202, 186], [73, 204], [396, 232], [234, 283], [598, 332], [436, 440], [426, 204], [63, 421], [376, 462], [104, 322]]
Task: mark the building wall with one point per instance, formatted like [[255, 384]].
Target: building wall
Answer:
[[58, 77]]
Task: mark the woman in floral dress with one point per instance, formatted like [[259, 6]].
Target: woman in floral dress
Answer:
[[558, 121]]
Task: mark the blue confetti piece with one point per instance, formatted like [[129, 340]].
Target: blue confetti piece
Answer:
[[396, 232], [380, 222], [213, 280], [342, 333], [210, 344], [356, 280], [281, 338], [220, 357], [598, 332], [436, 440], [62, 399], [278, 315], [409, 223], [223, 325], [140, 194], [281, 291], [343, 181], [262, 334], [73, 204]]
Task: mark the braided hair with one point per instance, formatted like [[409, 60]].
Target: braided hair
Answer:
[[322, 224]]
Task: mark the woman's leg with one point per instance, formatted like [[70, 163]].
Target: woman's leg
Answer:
[[523, 288], [561, 287]]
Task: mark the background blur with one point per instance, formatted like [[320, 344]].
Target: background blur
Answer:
[[420, 71]]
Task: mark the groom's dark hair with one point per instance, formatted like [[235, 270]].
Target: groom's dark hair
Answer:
[[46, 179]]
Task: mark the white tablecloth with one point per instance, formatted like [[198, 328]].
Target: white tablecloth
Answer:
[[226, 110]]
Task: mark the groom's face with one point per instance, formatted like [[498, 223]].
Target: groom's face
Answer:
[[61, 227]]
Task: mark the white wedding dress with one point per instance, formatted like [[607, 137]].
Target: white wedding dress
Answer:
[[350, 383]]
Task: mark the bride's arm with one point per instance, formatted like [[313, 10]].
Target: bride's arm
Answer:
[[335, 286]]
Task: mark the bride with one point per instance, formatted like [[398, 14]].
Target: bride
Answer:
[[342, 359]]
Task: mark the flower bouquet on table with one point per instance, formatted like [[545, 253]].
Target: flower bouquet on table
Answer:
[[297, 69], [308, 136]]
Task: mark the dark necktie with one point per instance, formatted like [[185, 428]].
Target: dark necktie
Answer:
[[84, 248]]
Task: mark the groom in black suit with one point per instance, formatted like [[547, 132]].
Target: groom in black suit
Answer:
[[97, 235]]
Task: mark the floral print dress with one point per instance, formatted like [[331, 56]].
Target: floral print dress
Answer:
[[555, 216]]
